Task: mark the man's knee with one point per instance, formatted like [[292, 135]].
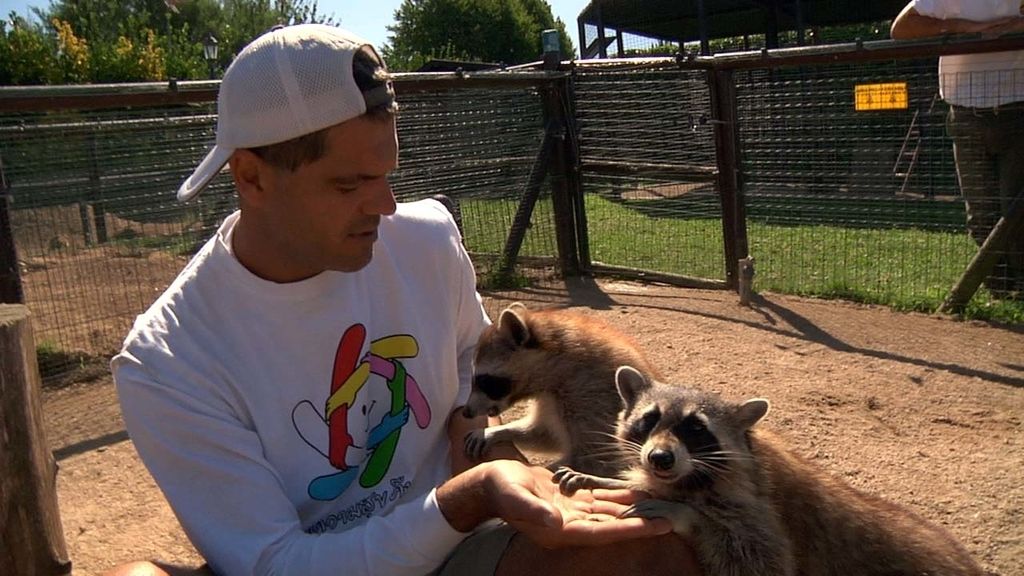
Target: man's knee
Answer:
[[667, 554]]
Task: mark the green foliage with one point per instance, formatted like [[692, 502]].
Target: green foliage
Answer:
[[27, 54], [87, 41], [500, 31]]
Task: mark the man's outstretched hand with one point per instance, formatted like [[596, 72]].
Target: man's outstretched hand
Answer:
[[526, 498]]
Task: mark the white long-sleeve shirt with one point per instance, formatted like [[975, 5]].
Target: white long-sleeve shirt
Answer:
[[278, 417]]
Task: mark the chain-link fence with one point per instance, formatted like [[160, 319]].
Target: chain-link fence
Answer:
[[834, 170]]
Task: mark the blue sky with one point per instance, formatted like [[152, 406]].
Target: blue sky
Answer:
[[369, 19]]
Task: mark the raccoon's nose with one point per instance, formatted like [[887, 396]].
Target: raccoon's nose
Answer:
[[661, 459]]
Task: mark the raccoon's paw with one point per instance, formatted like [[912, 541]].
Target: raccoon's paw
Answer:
[[570, 481], [476, 444], [682, 516]]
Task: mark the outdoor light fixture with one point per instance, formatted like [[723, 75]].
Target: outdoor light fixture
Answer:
[[552, 49], [210, 53], [550, 41]]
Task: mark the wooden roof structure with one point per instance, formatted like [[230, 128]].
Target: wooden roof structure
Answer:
[[692, 20]]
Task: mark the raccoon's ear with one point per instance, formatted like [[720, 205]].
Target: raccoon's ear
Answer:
[[751, 412], [512, 324], [630, 383]]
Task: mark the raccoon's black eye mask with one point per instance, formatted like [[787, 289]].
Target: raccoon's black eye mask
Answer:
[[643, 426], [494, 387], [695, 435]]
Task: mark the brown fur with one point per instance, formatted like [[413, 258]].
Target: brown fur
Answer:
[[751, 506], [565, 362]]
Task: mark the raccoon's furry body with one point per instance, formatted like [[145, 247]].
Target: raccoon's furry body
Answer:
[[565, 362], [752, 507]]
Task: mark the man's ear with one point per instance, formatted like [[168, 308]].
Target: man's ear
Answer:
[[252, 176]]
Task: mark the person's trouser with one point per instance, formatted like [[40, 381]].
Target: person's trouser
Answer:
[[988, 146], [480, 553]]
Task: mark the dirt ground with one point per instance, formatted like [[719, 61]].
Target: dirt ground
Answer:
[[923, 410]]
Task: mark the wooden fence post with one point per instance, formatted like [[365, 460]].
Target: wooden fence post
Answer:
[[985, 260], [10, 273], [727, 154], [31, 537], [553, 99]]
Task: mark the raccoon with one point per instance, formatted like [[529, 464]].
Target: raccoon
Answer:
[[565, 362], [750, 506]]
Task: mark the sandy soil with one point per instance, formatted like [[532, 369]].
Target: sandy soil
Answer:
[[925, 411]]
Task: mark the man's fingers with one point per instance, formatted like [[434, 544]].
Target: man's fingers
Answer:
[[622, 496], [607, 508], [590, 533]]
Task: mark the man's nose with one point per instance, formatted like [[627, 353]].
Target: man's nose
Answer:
[[381, 200]]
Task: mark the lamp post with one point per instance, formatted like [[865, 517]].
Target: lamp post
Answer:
[[210, 53]]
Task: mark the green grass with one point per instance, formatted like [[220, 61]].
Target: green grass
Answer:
[[59, 367], [906, 269]]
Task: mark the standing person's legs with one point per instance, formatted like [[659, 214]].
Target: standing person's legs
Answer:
[[1009, 146], [978, 174]]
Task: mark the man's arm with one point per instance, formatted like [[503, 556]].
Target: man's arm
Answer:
[[231, 502], [911, 24]]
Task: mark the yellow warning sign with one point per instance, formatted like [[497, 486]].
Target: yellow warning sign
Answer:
[[888, 96]]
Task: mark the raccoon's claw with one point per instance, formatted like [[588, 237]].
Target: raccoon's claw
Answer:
[[682, 516], [476, 444], [570, 481]]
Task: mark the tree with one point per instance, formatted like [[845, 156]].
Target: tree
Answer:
[[506, 31], [83, 41], [27, 55]]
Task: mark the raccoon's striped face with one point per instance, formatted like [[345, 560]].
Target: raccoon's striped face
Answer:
[[674, 444], [491, 395], [498, 366]]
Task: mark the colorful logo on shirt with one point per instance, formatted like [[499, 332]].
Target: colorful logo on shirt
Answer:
[[351, 405]]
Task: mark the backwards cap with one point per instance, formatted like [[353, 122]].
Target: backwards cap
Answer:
[[287, 83]]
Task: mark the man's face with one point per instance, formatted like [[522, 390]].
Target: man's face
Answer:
[[325, 214]]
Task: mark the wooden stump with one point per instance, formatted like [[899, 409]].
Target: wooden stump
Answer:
[[31, 537]]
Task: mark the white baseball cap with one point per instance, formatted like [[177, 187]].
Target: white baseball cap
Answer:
[[289, 82]]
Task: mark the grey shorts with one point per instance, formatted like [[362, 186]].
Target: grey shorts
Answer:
[[479, 553]]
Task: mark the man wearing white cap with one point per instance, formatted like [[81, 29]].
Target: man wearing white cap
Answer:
[[296, 390]]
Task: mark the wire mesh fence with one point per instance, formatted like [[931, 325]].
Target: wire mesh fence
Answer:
[[647, 157], [845, 179], [478, 147], [867, 189], [99, 234]]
